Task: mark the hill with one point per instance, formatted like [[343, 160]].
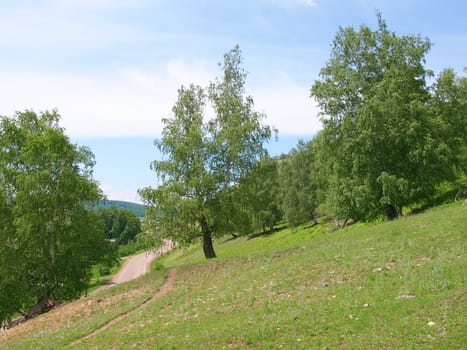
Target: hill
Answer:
[[138, 209], [392, 285]]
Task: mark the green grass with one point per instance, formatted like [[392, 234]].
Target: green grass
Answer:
[[98, 279], [62, 326], [372, 286]]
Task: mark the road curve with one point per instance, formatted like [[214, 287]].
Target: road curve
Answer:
[[138, 265]]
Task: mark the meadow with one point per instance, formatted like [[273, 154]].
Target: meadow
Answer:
[[388, 285]]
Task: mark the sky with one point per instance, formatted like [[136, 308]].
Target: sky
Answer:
[[112, 67]]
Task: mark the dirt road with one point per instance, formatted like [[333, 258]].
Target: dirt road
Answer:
[[138, 265], [132, 268]]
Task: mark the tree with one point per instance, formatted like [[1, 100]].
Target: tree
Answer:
[[253, 204], [449, 108], [298, 191], [263, 194], [120, 225], [49, 238], [205, 159], [382, 137], [238, 135]]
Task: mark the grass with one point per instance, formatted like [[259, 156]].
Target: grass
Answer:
[[393, 285], [74, 320], [98, 279]]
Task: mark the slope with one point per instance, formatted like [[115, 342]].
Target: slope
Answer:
[[396, 284]]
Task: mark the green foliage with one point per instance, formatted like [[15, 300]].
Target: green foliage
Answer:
[[237, 132], [449, 108], [389, 140], [204, 160], [120, 225], [177, 206], [298, 190], [48, 238], [132, 247], [253, 204], [262, 190]]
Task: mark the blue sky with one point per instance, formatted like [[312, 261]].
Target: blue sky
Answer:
[[112, 67]]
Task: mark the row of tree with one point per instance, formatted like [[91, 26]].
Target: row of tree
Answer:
[[389, 139]]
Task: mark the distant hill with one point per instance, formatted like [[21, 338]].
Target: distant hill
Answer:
[[138, 209]]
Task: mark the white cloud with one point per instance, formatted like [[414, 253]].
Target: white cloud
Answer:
[[288, 107], [122, 194], [183, 73], [128, 102], [132, 102]]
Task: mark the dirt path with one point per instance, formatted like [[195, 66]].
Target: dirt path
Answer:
[[134, 267], [163, 290], [140, 264]]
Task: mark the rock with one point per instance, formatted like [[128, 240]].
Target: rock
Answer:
[[406, 296]]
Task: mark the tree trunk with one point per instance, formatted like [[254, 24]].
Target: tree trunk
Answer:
[[271, 224], [315, 219], [208, 248], [345, 222], [44, 305], [392, 212]]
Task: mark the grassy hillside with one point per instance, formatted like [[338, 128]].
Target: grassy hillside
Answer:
[[138, 209], [394, 285]]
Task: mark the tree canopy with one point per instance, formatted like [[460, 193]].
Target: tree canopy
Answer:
[[120, 225], [297, 190], [382, 133], [49, 238], [204, 159]]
